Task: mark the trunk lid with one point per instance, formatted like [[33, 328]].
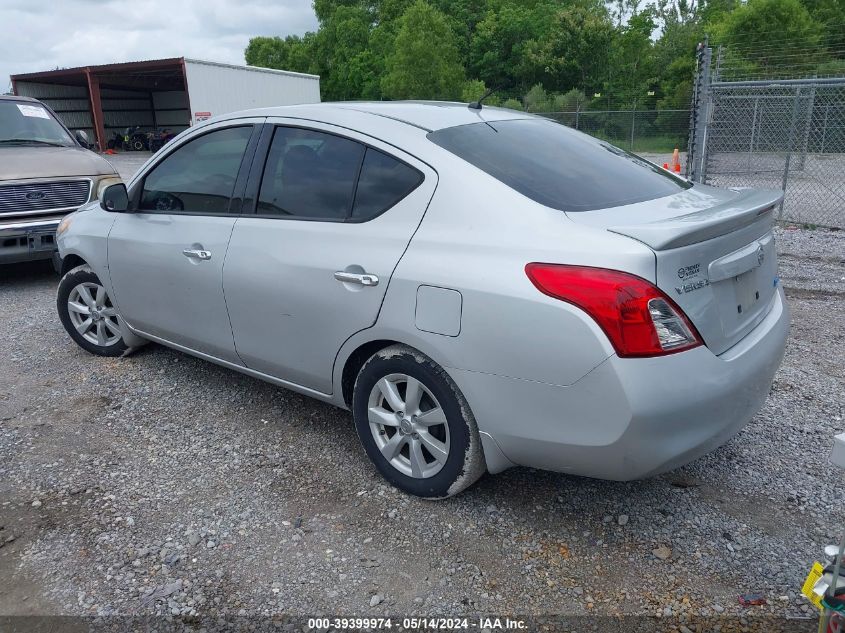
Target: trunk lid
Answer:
[[714, 254]]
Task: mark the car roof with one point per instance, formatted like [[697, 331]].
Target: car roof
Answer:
[[426, 115]]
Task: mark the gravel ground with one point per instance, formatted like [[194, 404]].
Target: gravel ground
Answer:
[[127, 163], [162, 484]]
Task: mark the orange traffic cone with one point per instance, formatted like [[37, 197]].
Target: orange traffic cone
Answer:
[[676, 162]]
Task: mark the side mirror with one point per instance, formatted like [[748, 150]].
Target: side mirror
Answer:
[[115, 198], [82, 138]]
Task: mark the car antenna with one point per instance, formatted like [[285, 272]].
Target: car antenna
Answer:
[[476, 105]]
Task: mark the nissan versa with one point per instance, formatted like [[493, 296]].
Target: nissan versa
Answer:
[[482, 288]]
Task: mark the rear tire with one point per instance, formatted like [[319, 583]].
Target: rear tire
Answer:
[[416, 425], [88, 314]]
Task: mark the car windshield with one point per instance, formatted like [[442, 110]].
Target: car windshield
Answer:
[[30, 123], [557, 166]]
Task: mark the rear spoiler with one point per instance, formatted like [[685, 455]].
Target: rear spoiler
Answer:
[[706, 224]]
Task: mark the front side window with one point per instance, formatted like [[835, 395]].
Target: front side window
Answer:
[[557, 166], [30, 123], [198, 177]]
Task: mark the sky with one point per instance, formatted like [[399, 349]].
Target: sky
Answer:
[[40, 35]]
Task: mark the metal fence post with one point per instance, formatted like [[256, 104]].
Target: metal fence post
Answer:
[[633, 124], [698, 115], [753, 132], [577, 114], [824, 128], [809, 122], [717, 72], [789, 149]]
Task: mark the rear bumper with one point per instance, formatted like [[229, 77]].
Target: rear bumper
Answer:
[[28, 240], [632, 418]]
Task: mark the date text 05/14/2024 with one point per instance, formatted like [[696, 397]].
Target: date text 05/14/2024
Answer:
[[418, 623]]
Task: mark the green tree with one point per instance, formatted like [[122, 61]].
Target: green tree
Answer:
[[537, 100], [463, 17], [340, 53], [424, 63], [571, 101], [325, 9], [748, 32], [632, 70], [830, 14], [499, 51], [555, 53], [291, 53], [473, 90]]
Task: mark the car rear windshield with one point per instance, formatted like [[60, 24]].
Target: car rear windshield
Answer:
[[557, 166]]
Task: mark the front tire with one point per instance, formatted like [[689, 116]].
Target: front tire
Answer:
[[88, 314], [415, 424]]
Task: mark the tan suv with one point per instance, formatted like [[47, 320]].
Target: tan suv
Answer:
[[45, 173]]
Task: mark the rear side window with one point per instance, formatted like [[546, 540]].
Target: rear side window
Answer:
[[384, 181], [199, 176], [310, 174], [557, 166]]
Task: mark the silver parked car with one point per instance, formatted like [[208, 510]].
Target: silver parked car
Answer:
[[482, 288]]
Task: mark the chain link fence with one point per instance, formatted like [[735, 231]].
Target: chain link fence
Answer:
[[655, 132], [784, 134]]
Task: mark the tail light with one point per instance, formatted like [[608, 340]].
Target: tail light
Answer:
[[637, 317]]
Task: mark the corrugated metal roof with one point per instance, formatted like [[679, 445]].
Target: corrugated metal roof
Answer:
[[170, 62], [149, 64]]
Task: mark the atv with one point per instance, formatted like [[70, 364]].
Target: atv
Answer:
[[131, 139], [159, 138]]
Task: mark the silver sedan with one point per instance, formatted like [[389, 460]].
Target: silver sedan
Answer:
[[481, 288]]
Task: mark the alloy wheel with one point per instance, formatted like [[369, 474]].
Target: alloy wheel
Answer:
[[408, 425], [93, 314]]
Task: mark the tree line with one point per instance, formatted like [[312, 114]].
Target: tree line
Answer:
[[553, 55]]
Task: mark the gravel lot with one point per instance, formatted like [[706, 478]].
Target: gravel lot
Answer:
[[127, 163], [162, 484]]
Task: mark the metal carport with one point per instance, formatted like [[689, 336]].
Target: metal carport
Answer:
[[168, 93]]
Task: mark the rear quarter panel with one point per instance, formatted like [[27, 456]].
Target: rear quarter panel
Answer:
[[476, 238]]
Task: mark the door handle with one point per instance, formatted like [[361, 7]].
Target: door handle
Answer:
[[197, 253], [364, 279]]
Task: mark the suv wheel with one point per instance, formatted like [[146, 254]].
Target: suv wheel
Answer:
[[415, 424], [88, 314]]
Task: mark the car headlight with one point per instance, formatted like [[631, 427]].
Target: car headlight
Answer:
[[64, 225], [104, 183]]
